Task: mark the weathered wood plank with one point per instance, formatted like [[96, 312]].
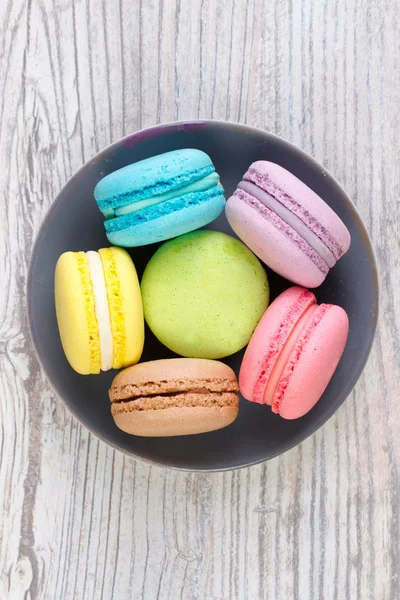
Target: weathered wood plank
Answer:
[[79, 520]]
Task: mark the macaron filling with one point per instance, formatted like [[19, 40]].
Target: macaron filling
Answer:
[[265, 182], [160, 209], [200, 185], [290, 219], [305, 300], [129, 391], [284, 356], [157, 395], [276, 221], [179, 400], [303, 337], [108, 205], [101, 309]]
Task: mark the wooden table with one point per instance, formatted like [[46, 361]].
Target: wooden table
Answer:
[[79, 520]]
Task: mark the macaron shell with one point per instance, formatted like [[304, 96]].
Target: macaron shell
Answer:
[[175, 421], [268, 338], [75, 311], [170, 369], [102, 310], [313, 362], [203, 294], [279, 251], [155, 175], [125, 304], [131, 306], [306, 204]]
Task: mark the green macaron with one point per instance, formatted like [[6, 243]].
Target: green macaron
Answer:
[[203, 294]]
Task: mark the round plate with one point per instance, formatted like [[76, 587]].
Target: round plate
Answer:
[[75, 223]]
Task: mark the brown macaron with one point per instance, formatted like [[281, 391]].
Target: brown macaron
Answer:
[[176, 396]]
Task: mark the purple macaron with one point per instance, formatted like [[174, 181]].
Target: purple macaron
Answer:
[[286, 224]]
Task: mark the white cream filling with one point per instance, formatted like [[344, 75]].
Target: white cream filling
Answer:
[[102, 310]]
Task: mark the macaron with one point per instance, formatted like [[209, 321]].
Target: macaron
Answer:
[[177, 396], [99, 309], [287, 224], [203, 294], [160, 197], [293, 353]]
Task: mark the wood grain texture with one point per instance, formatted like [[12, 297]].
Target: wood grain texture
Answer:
[[81, 521]]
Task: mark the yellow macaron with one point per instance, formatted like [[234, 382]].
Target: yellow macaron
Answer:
[[99, 310]]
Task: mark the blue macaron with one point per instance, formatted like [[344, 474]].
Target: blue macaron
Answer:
[[160, 198]]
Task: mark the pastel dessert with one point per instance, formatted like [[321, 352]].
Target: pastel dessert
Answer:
[[99, 310], [177, 396], [293, 353], [286, 224], [203, 294], [160, 198]]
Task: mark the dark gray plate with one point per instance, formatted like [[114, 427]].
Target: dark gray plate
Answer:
[[74, 223]]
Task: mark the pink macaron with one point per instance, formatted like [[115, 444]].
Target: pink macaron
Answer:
[[293, 353], [286, 224]]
